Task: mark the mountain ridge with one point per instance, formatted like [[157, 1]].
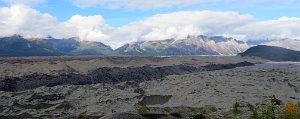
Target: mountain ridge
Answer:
[[191, 45], [272, 53], [16, 45]]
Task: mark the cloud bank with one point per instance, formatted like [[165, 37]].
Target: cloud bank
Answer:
[[180, 25], [23, 20], [24, 2]]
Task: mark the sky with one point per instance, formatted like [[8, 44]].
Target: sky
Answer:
[[116, 22]]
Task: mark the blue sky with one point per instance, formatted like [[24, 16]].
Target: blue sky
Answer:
[[261, 9]]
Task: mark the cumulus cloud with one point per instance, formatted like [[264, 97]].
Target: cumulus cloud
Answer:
[[19, 19], [24, 2], [181, 24], [230, 24], [92, 28], [23, 20], [284, 27]]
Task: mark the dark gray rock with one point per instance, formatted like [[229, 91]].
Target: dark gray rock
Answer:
[[155, 100], [107, 75], [123, 116]]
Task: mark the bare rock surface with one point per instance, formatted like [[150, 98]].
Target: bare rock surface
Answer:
[[177, 92], [107, 75], [16, 67]]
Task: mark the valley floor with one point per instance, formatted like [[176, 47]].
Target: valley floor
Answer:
[[170, 93]]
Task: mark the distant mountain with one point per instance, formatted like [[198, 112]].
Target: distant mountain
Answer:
[[92, 48], [73, 46], [292, 44], [64, 45], [191, 45], [272, 53], [257, 42], [18, 46]]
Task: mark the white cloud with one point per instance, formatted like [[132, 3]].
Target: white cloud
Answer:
[[87, 28], [19, 19], [24, 2], [137, 4], [180, 25], [23, 20], [283, 27], [230, 24]]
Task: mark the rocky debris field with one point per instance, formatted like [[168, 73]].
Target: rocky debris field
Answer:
[[17, 67], [181, 85], [106, 75]]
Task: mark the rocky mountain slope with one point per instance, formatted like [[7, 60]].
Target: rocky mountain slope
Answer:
[[272, 53], [192, 45]]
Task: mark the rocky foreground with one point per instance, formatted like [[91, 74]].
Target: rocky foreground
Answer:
[[97, 87]]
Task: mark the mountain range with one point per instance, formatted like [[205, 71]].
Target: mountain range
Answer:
[[17, 45], [192, 45]]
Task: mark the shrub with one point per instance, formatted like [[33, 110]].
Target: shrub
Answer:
[[290, 111], [236, 108], [298, 105], [265, 112], [197, 116], [143, 110], [153, 115], [176, 114], [207, 112]]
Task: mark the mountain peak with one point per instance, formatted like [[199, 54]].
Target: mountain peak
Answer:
[[75, 38], [49, 37], [15, 36]]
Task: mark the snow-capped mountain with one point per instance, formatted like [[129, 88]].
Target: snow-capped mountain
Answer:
[[191, 45]]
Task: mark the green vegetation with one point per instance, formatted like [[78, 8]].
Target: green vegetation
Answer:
[[176, 114], [143, 110], [270, 111], [197, 116], [236, 110], [249, 111]]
